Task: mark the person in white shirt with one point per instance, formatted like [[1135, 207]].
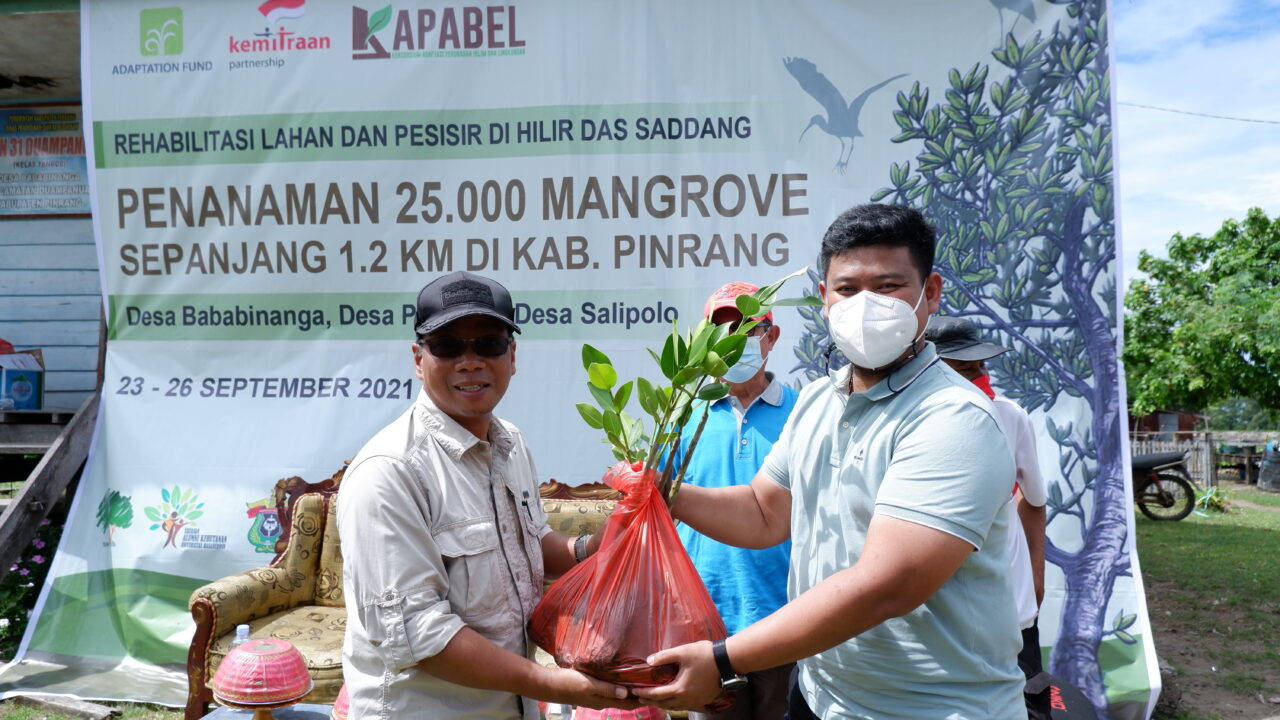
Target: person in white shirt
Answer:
[[960, 346]]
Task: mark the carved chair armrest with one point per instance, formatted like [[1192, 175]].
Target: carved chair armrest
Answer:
[[250, 595]]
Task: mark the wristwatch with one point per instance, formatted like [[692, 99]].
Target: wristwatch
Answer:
[[729, 680]]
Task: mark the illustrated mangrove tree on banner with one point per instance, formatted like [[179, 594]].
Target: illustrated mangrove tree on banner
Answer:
[[1015, 171]]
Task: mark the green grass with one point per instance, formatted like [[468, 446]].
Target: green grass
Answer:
[[9, 710], [1217, 579]]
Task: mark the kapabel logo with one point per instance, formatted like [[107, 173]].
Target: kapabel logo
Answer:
[[276, 38], [392, 33], [160, 31]]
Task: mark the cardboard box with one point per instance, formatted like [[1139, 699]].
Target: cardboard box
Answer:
[[22, 380]]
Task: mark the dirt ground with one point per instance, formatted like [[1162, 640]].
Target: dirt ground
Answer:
[[1191, 649]]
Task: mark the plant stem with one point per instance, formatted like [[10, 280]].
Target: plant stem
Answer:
[[684, 464]]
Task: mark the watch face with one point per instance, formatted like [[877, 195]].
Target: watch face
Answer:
[[734, 684]]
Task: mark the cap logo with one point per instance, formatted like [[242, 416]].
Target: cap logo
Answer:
[[465, 292]]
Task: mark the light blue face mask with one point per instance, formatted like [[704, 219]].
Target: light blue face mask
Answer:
[[748, 365]]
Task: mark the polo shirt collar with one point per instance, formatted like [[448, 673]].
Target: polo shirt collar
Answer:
[[892, 384], [772, 393], [455, 439]]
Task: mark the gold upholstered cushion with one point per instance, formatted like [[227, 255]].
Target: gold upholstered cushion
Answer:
[[576, 517]]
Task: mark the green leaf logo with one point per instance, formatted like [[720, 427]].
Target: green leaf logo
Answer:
[[377, 21]]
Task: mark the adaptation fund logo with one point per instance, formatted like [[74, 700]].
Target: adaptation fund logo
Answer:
[[468, 31], [160, 32]]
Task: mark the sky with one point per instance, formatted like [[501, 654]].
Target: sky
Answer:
[[1183, 173]]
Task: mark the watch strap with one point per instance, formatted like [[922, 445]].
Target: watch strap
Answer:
[[721, 655], [580, 548]]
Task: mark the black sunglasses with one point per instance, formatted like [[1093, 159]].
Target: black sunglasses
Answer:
[[452, 346]]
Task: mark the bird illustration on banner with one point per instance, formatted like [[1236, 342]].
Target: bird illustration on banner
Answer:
[[841, 121]]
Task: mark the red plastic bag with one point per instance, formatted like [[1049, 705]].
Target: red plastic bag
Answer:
[[639, 593]]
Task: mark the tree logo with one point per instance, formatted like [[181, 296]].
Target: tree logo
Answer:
[[160, 31], [178, 509], [115, 511]]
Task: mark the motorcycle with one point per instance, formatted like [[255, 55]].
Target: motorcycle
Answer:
[[1162, 487]]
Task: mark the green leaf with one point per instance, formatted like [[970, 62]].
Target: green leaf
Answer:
[[378, 20], [714, 366], [748, 306], [153, 514], [648, 400], [686, 375], [603, 397], [602, 376], [164, 494], [621, 397], [806, 301], [591, 355], [612, 424], [195, 515], [591, 416], [669, 362], [730, 348], [701, 337], [713, 392]]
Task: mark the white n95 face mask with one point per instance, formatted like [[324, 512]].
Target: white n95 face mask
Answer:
[[871, 329], [748, 365]]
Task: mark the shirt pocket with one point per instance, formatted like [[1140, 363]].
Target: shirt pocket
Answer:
[[477, 583]]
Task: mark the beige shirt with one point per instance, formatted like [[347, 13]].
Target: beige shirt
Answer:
[[439, 530]]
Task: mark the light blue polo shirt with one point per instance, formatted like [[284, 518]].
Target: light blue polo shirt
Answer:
[[923, 445], [745, 584]]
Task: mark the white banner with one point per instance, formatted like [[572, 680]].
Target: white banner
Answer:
[[273, 182]]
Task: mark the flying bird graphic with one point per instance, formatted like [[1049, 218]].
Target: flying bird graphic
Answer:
[[842, 118]]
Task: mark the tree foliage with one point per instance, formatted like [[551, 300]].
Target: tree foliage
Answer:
[[1204, 326], [115, 510], [1014, 168]]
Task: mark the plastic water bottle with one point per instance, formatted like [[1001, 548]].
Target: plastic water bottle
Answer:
[[242, 636]]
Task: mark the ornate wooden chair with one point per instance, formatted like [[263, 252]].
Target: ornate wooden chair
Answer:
[[298, 597]]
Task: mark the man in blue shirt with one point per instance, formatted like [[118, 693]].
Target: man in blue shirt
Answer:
[[745, 584], [890, 478]]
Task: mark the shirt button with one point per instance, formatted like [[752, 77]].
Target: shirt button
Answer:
[[744, 441], [389, 595], [845, 423]]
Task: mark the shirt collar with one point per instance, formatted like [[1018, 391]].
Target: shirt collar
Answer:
[[894, 382], [455, 439], [771, 394]]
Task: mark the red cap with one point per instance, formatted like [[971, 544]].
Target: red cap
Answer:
[[6, 347], [727, 297]]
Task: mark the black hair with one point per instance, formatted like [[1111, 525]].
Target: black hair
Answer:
[[875, 224]]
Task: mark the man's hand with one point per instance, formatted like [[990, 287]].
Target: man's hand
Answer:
[[697, 683], [571, 687]]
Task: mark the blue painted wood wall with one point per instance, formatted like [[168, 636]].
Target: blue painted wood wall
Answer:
[[51, 298]]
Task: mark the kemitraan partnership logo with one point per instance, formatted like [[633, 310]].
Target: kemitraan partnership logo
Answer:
[[275, 38], [469, 31]]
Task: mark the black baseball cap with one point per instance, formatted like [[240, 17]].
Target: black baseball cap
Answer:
[[957, 339], [458, 295]]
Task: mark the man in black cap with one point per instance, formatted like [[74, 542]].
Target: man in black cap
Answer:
[[444, 542], [960, 346]]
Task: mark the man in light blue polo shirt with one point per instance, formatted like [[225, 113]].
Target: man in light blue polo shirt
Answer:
[[745, 584], [890, 479]]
